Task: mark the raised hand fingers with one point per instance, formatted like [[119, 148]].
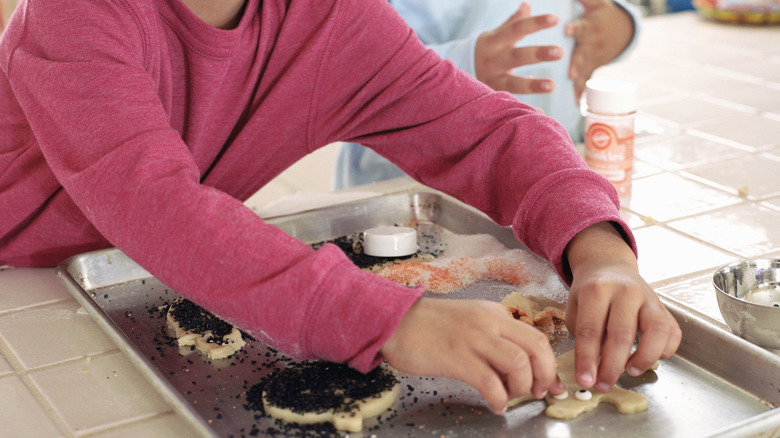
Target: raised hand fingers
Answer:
[[520, 56], [522, 85], [523, 11], [495, 54], [579, 68], [517, 27], [501, 65]]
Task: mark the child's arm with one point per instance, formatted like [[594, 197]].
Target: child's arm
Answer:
[[609, 304]]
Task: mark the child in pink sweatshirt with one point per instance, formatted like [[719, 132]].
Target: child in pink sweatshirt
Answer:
[[143, 125]]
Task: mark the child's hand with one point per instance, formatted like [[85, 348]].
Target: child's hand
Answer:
[[609, 304], [495, 54], [602, 32], [477, 342]]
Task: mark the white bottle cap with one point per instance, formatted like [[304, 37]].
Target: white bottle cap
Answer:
[[390, 241], [608, 96]]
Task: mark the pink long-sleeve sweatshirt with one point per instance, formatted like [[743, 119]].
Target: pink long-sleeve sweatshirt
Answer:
[[134, 124]]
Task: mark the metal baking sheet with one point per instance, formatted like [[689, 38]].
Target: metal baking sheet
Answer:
[[717, 384]]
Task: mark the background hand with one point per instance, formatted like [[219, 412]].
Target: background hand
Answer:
[[495, 54], [609, 304], [602, 32], [477, 342]]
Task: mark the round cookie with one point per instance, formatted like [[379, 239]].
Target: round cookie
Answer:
[[321, 392]]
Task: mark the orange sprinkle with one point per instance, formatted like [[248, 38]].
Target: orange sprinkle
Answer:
[[456, 274]]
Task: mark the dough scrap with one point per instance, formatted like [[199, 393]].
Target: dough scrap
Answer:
[[626, 402], [205, 341], [321, 392], [543, 313]]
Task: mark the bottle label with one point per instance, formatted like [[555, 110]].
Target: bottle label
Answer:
[[608, 154]]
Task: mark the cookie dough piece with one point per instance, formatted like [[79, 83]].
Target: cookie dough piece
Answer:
[[320, 392], [580, 400], [194, 326], [543, 313]]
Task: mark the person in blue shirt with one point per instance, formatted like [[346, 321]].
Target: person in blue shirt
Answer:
[[544, 59]]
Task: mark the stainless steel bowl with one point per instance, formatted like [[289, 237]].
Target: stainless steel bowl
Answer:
[[749, 299]]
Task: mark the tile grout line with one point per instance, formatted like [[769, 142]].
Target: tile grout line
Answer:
[[35, 306], [22, 373], [118, 425]]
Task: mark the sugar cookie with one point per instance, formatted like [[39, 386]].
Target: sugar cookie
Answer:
[[321, 392], [626, 402], [192, 325]]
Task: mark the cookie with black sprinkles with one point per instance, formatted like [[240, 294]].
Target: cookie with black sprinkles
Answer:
[[196, 319], [195, 326], [310, 393]]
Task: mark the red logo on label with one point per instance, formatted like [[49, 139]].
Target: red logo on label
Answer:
[[600, 136]]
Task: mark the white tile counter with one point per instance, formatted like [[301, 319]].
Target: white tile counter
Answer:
[[706, 192]]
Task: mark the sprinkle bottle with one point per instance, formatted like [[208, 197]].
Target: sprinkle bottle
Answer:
[[609, 130]]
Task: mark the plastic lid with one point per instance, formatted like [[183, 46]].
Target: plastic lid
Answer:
[[609, 96], [390, 241]]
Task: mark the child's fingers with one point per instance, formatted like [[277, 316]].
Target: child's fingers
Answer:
[[620, 336], [512, 31], [516, 57], [589, 333], [517, 371], [522, 12], [513, 363], [478, 343], [535, 345], [477, 373], [526, 55], [504, 61], [660, 338], [675, 337], [523, 85]]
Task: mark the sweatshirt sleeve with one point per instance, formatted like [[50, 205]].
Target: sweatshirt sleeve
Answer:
[[80, 75], [450, 132]]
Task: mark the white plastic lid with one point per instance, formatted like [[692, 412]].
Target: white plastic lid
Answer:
[[390, 241], [610, 96]]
